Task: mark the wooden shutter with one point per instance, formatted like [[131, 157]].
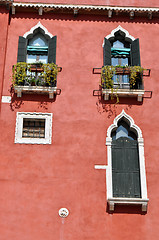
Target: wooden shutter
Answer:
[[125, 168], [107, 52], [52, 50], [22, 49], [135, 53]]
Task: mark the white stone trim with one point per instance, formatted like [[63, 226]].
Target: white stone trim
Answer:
[[6, 99], [100, 167], [111, 200], [38, 25], [138, 93], [133, 126], [86, 7], [35, 89], [112, 34], [128, 201], [34, 115]]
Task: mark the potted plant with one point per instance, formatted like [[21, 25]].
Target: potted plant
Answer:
[[19, 73], [136, 73], [49, 74]]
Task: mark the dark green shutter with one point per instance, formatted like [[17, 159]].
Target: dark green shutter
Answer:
[[52, 50], [125, 168], [106, 52], [135, 53], [22, 49]]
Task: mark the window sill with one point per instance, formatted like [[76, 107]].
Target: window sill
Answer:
[[124, 93], [128, 201], [35, 89]]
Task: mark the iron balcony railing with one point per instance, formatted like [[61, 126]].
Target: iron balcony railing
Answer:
[[130, 77]]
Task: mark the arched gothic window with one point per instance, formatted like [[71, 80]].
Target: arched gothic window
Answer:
[[126, 178], [125, 162], [37, 45], [37, 49], [120, 49]]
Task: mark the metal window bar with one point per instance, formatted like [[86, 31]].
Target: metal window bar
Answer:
[[33, 128]]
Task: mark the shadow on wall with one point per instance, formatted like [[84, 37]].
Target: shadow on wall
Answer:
[[17, 102], [128, 209], [111, 105], [84, 17]]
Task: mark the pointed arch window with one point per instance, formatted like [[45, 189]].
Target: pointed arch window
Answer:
[[119, 50], [122, 51], [121, 47], [37, 46], [125, 162], [37, 49], [36, 57], [126, 178]]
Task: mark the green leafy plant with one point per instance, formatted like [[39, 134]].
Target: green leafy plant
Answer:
[[107, 77], [136, 73], [22, 74], [19, 73], [107, 80], [49, 73]]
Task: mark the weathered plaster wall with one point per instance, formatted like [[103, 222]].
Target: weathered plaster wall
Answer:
[[3, 40], [37, 180]]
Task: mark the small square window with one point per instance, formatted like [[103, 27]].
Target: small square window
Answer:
[[33, 128]]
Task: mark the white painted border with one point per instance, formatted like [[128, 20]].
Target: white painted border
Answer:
[[112, 34], [124, 115], [85, 7], [127, 35], [38, 25], [111, 200], [34, 115], [6, 99]]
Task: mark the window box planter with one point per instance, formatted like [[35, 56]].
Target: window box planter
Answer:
[[35, 78]]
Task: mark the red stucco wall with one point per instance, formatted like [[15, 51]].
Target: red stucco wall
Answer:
[[37, 180], [3, 40]]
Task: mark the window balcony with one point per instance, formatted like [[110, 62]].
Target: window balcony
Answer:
[[122, 81], [35, 78]]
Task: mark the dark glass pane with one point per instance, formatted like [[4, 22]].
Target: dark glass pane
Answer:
[[123, 130], [125, 168], [33, 128]]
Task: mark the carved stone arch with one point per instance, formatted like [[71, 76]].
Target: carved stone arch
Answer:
[[123, 32], [38, 28], [128, 37], [133, 127], [143, 201]]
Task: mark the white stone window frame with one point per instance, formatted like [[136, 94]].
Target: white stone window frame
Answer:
[[19, 128], [30, 33], [143, 201]]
